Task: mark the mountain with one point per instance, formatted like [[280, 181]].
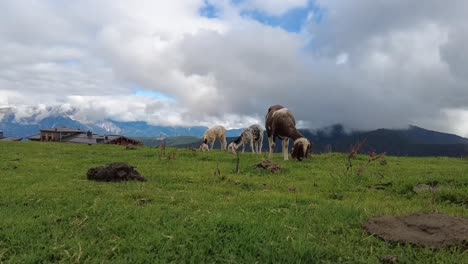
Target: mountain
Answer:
[[413, 141], [177, 141], [424, 136], [143, 129], [24, 127]]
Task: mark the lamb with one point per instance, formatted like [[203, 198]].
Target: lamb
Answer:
[[213, 134], [280, 122], [252, 135]]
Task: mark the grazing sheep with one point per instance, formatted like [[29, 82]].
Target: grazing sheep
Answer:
[[281, 123], [204, 147], [252, 135], [232, 148], [213, 134], [257, 132]]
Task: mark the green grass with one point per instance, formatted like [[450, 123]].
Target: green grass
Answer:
[[311, 212]]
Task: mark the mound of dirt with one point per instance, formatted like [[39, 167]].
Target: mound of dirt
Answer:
[[427, 230], [268, 165], [114, 172]]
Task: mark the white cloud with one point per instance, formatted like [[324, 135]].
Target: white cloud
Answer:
[[342, 58], [365, 64]]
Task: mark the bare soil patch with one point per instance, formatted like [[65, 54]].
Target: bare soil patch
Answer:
[[380, 186], [426, 230], [268, 165], [115, 172], [389, 259]]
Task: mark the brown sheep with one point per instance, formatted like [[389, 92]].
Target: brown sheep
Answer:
[[281, 123]]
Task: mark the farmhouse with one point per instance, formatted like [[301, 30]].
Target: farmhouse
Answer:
[[90, 138], [68, 135], [61, 134]]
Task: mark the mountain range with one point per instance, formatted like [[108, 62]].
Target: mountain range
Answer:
[[412, 141], [24, 127]]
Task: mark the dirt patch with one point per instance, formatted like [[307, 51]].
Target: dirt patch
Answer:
[[380, 186], [269, 166], [389, 259], [115, 172], [427, 230]]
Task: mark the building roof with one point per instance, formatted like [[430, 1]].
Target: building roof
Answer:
[[84, 139], [62, 129], [11, 139], [34, 137], [110, 138]]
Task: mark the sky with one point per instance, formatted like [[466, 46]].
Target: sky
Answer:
[[364, 63]]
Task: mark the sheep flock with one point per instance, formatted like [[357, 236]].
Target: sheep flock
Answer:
[[279, 123]]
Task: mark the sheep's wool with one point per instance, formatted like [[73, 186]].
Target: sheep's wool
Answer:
[[232, 147], [305, 143], [282, 111]]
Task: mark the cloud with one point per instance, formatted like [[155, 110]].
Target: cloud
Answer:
[[366, 64]]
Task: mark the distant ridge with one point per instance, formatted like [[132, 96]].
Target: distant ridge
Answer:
[[29, 126], [413, 141]]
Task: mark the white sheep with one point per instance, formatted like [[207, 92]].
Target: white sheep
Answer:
[[281, 123], [252, 135], [232, 148], [204, 147], [213, 134]]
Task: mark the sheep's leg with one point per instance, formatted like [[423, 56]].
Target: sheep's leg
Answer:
[[243, 147], [224, 144], [252, 146], [212, 144], [285, 148], [260, 145], [271, 142]]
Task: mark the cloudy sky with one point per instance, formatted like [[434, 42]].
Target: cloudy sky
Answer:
[[363, 63]]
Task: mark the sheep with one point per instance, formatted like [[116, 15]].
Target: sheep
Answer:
[[213, 134], [257, 132], [204, 147], [252, 135], [232, 148], [280, 122]]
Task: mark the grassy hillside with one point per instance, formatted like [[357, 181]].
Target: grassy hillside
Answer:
[[179, 141], [195, 209]]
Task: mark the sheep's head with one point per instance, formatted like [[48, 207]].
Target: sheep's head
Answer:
[[301, 148], [232, 148], [204, 147]]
